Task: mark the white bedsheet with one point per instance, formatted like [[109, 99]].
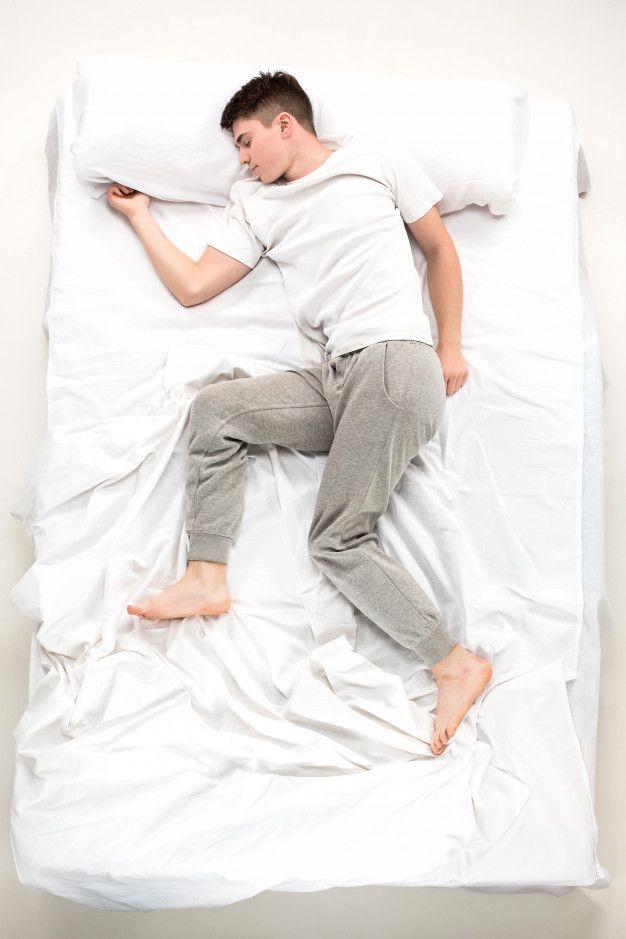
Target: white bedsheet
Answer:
[[285, 745]]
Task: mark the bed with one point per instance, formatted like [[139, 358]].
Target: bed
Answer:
[[284, 746]]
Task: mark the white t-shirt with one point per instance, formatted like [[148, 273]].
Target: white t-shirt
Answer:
[[337, 235]]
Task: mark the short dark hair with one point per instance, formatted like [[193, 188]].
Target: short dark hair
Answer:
[[265, 96]]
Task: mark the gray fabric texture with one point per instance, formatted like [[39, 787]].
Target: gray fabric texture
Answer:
[[371, 410]]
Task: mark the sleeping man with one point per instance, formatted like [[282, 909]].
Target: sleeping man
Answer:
[[333, 219]]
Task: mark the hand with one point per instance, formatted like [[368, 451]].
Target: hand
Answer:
[[455, 370], [126, 200]]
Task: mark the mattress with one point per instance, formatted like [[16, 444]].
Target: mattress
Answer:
[[284, 746]]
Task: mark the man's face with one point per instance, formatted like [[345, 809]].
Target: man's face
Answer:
[[264, 150]]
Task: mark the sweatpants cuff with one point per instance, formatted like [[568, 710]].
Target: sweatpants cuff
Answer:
[[207, 546], [435, 646]]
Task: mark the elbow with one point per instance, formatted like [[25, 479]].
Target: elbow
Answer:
[[188, 293], [187, 299]]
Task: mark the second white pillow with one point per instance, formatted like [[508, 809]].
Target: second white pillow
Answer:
[[155, 126]]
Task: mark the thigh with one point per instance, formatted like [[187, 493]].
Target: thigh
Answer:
[[286, 408], [389, 406]]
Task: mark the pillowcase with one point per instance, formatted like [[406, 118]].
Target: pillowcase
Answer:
[[469, 136], [154, 125]]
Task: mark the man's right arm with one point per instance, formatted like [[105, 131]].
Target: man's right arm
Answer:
[[190, 281], [215, 271], [176, 269]]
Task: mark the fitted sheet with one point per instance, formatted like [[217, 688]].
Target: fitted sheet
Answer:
[[285, 745]]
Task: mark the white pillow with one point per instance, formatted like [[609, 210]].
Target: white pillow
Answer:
[[154, 125]]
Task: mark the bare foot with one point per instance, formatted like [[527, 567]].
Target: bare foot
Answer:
[[202, 592], [460, 678]]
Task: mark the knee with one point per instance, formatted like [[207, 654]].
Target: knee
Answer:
[[313, 544], [320, 548], [328, 547], [208, 402]]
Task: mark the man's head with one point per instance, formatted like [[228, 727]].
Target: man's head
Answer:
[[271, 120]]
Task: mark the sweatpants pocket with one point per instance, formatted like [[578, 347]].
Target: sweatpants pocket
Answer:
[[394, 371]]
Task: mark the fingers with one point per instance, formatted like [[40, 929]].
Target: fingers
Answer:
[[117, 189]]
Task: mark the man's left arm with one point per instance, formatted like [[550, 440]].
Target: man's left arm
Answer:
[[445, 286]]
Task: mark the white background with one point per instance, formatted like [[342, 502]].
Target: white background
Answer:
[[557, 49]]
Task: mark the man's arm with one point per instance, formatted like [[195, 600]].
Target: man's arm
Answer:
[[190, 281], [443, 273], [177, 271]]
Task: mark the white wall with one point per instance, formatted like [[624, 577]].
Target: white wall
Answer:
[[558, 49]]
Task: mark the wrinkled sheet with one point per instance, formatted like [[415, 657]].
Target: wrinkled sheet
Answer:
[[285, 745]]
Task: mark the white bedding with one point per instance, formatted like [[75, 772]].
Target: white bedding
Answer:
[[285, 745]]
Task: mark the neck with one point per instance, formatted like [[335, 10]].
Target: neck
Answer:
[[306, 162]]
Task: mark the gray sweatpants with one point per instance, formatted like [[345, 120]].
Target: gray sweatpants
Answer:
[[371, 410]]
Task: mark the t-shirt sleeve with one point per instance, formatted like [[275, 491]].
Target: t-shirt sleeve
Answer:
[[413, 191], [235, 235]]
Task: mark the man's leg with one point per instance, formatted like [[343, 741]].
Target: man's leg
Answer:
[[388, 403], [286, 408], [387, 400]]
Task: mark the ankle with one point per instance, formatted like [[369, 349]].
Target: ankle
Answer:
[[451, 664], [213, 571], [459, 663]]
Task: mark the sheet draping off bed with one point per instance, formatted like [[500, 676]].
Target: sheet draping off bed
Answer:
[[285, 745]]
